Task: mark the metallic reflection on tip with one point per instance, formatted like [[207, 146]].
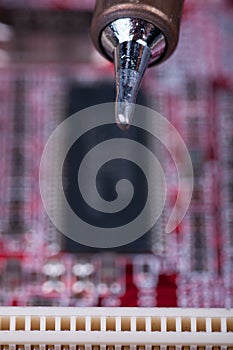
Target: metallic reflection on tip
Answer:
[[133, 44]]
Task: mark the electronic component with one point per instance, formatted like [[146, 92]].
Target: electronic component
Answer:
[[119, 327]]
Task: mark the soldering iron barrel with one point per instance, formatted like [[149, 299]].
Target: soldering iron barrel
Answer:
[[164, 14]]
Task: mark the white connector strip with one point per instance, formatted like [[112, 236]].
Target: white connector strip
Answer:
[[122, 328]]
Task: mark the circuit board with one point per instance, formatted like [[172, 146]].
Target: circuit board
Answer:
[[44, 78]]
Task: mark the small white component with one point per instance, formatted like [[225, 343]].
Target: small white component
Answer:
[[125, 328]]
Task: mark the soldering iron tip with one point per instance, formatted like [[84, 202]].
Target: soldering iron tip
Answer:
[[124, 114], [131, 60], [133, 43]]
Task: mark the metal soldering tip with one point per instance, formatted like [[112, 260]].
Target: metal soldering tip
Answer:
[[132, 43], [124, 114], [131, 60]]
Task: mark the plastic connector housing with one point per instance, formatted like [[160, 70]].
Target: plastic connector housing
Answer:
[[47, 328]]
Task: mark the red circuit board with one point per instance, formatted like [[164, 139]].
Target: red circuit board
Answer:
[[192, 266]]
